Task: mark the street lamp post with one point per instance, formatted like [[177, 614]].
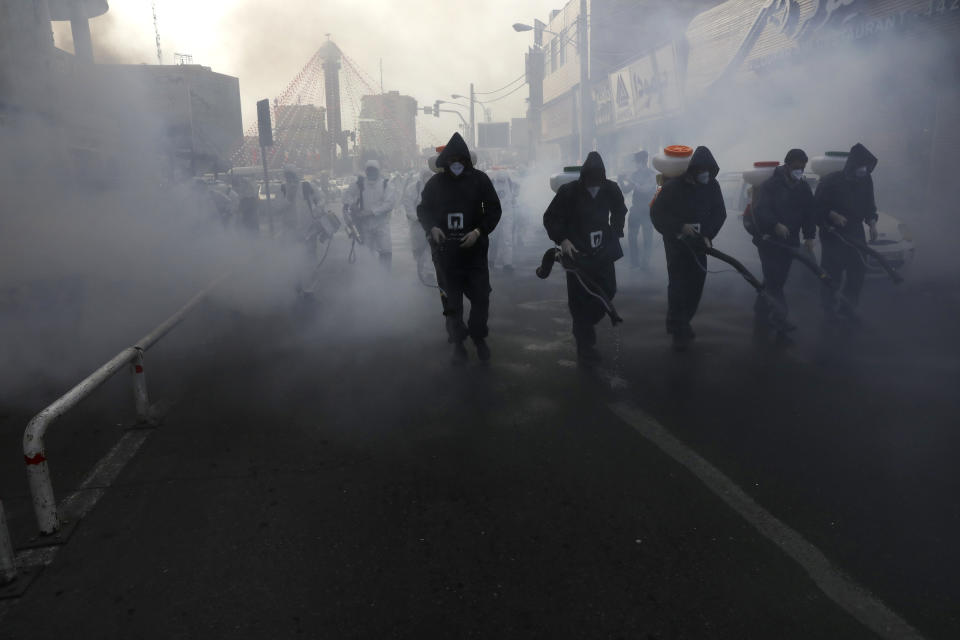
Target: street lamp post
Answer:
[[438, 110], [472, 99]]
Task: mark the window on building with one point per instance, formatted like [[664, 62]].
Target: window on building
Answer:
[[563, 47], [553, 55]]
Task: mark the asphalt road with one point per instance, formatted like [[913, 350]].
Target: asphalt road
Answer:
[[325, 472]]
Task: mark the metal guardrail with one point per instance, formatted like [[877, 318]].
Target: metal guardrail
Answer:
[[34, 450], [8, 563]]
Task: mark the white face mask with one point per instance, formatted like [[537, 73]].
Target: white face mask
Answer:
[[797, 174], [593, 191], [861, 172], [456, 168], [703, 177]]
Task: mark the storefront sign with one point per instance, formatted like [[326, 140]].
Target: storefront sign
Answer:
[[646, 88], [794, 27], [603, 103]]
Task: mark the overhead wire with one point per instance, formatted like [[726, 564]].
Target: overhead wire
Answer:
[[506, 86], [505, 95]]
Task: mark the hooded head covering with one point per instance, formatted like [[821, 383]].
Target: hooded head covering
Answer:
[[795, 155], [457, 147], [640, 157], [593, 173], [702, 159], [859, 157]]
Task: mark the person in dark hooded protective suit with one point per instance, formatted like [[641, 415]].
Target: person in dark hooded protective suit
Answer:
[[844, 202], [783, 207], [688, 206], [586, 219], [459, 209]]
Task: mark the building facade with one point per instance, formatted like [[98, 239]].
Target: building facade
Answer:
[[64, 116], [388, 129], [616, 31], [752, 79]]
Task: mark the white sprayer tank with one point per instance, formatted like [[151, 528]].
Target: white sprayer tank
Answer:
[[760, 172], [569, 174], [673, 161], [830, 162]]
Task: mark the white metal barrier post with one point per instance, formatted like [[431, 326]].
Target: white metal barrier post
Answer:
[[141, 400], [34, 451], [8, 562]]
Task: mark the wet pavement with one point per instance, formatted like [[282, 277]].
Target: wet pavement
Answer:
[[325, 472]]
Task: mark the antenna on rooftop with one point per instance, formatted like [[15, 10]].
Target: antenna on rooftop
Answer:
[[156, 31]]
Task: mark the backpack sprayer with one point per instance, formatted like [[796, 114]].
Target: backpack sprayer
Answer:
[[555, 255], [321, 228], [324, 223]]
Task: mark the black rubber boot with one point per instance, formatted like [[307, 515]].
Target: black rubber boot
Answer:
[[483, 351], [588, 356]]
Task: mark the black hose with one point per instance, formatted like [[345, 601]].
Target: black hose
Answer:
[[546, 265], [866, 250], [807, 260], [554, 255], [779, 316]]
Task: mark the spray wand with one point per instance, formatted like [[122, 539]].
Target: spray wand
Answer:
[[555, 255]]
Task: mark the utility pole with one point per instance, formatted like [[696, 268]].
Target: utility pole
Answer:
[[473, 130], [534, 68], [80, 27], [265, 133]]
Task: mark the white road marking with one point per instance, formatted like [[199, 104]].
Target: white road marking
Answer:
[[95, 484], [79, 503], [616, 382], [556, 345], [846, 593]]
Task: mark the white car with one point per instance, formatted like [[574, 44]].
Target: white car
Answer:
[[274, 190], [894, 242]]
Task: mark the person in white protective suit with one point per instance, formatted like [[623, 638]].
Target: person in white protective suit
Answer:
[[292, 210], [371, 199], [411, 198], [502, 245]]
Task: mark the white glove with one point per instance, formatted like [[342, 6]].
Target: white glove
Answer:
[[782, 230], [567, 248], [437, 235]]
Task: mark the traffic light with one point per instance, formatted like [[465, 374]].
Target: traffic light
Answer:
[[436, 109]]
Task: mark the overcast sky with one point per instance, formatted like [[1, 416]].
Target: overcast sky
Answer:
[[430, 48]]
